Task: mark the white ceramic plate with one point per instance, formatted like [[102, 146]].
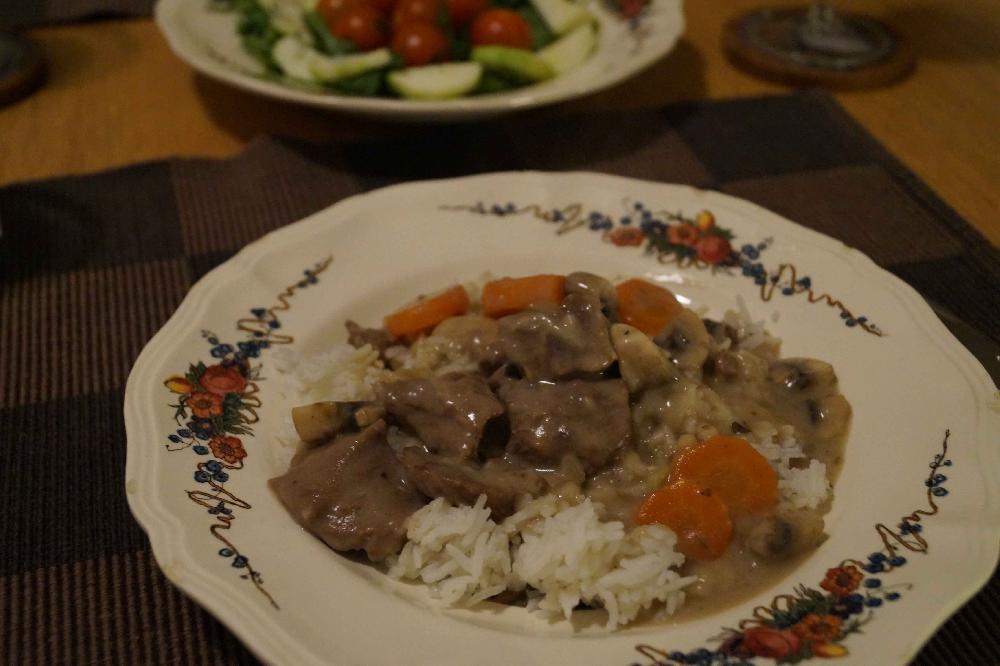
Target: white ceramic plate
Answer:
[[207, 41], [220, 535]]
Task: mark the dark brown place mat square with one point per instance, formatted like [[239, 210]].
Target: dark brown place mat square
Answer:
[[92, 266], [27, 13]]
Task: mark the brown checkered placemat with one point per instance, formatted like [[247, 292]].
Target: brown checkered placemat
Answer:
[[92, 266]]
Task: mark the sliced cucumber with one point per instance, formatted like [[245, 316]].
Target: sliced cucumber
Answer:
[[517, 63], [332, 68], [295, 58], [571, 50], [562, 15], [444, 81]]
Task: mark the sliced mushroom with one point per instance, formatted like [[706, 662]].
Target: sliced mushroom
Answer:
[[641, 362], [786, 533], [321, 421], [687, 341], [583, 282], [829, 415], [804, 374]]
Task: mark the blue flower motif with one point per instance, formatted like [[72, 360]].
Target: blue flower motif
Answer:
[[258, 312], [804, 282], [174, 438], [219, 351], [940, 492], [202, 428], [250, 349], [873, 602], [201, 476], [201, 450], [220, 508], [892, 596], [874, 567], [274, 323], [910, 528], [877, 557], [225, 552], [239, 561], [626, 220], [213, 466], [787, 291], [221, 477], [851, 322], [184, 432], [872, 583], [897, 561]]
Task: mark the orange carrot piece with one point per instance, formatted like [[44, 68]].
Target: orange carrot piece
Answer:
[[427, 312], [509, 295], [699, 518], [732, 470], [646, 306]]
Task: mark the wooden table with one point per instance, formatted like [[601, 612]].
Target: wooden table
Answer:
[[117, 95]]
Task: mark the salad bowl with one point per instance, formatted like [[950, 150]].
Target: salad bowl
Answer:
[[207, 40]]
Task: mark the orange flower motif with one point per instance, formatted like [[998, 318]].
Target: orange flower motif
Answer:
[[179, 385], [682, 234], [773, 643], [818, 628], [841, 581], [828, 650], [219, 380], [205, 405], [623, 236], [227, 449]]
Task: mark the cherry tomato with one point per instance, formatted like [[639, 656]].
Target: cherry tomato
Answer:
[[462, 11], [713, 249], [328, 9], [501, 27], [419, 43], [415, 10], [386, 7], [361, 24]]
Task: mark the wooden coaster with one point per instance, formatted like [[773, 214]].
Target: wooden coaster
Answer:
[[22, 67], [764, 44]]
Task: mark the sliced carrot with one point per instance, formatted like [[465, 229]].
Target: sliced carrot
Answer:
[[427, 312], [509, 295], [646, 306], [699, 518], [732, 470]]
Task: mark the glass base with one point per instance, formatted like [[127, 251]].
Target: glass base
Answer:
[[817, 38]]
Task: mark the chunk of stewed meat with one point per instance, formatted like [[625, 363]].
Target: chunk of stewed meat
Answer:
[[549, 420], [558, 341], [474, 336], [358, 336], [448, 413], [351, 493], [462, 482]]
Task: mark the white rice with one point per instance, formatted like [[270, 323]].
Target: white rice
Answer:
[[564, 553], [798, 487]]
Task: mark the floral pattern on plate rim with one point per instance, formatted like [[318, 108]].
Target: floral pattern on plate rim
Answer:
[[217, 403], [674, 238]]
